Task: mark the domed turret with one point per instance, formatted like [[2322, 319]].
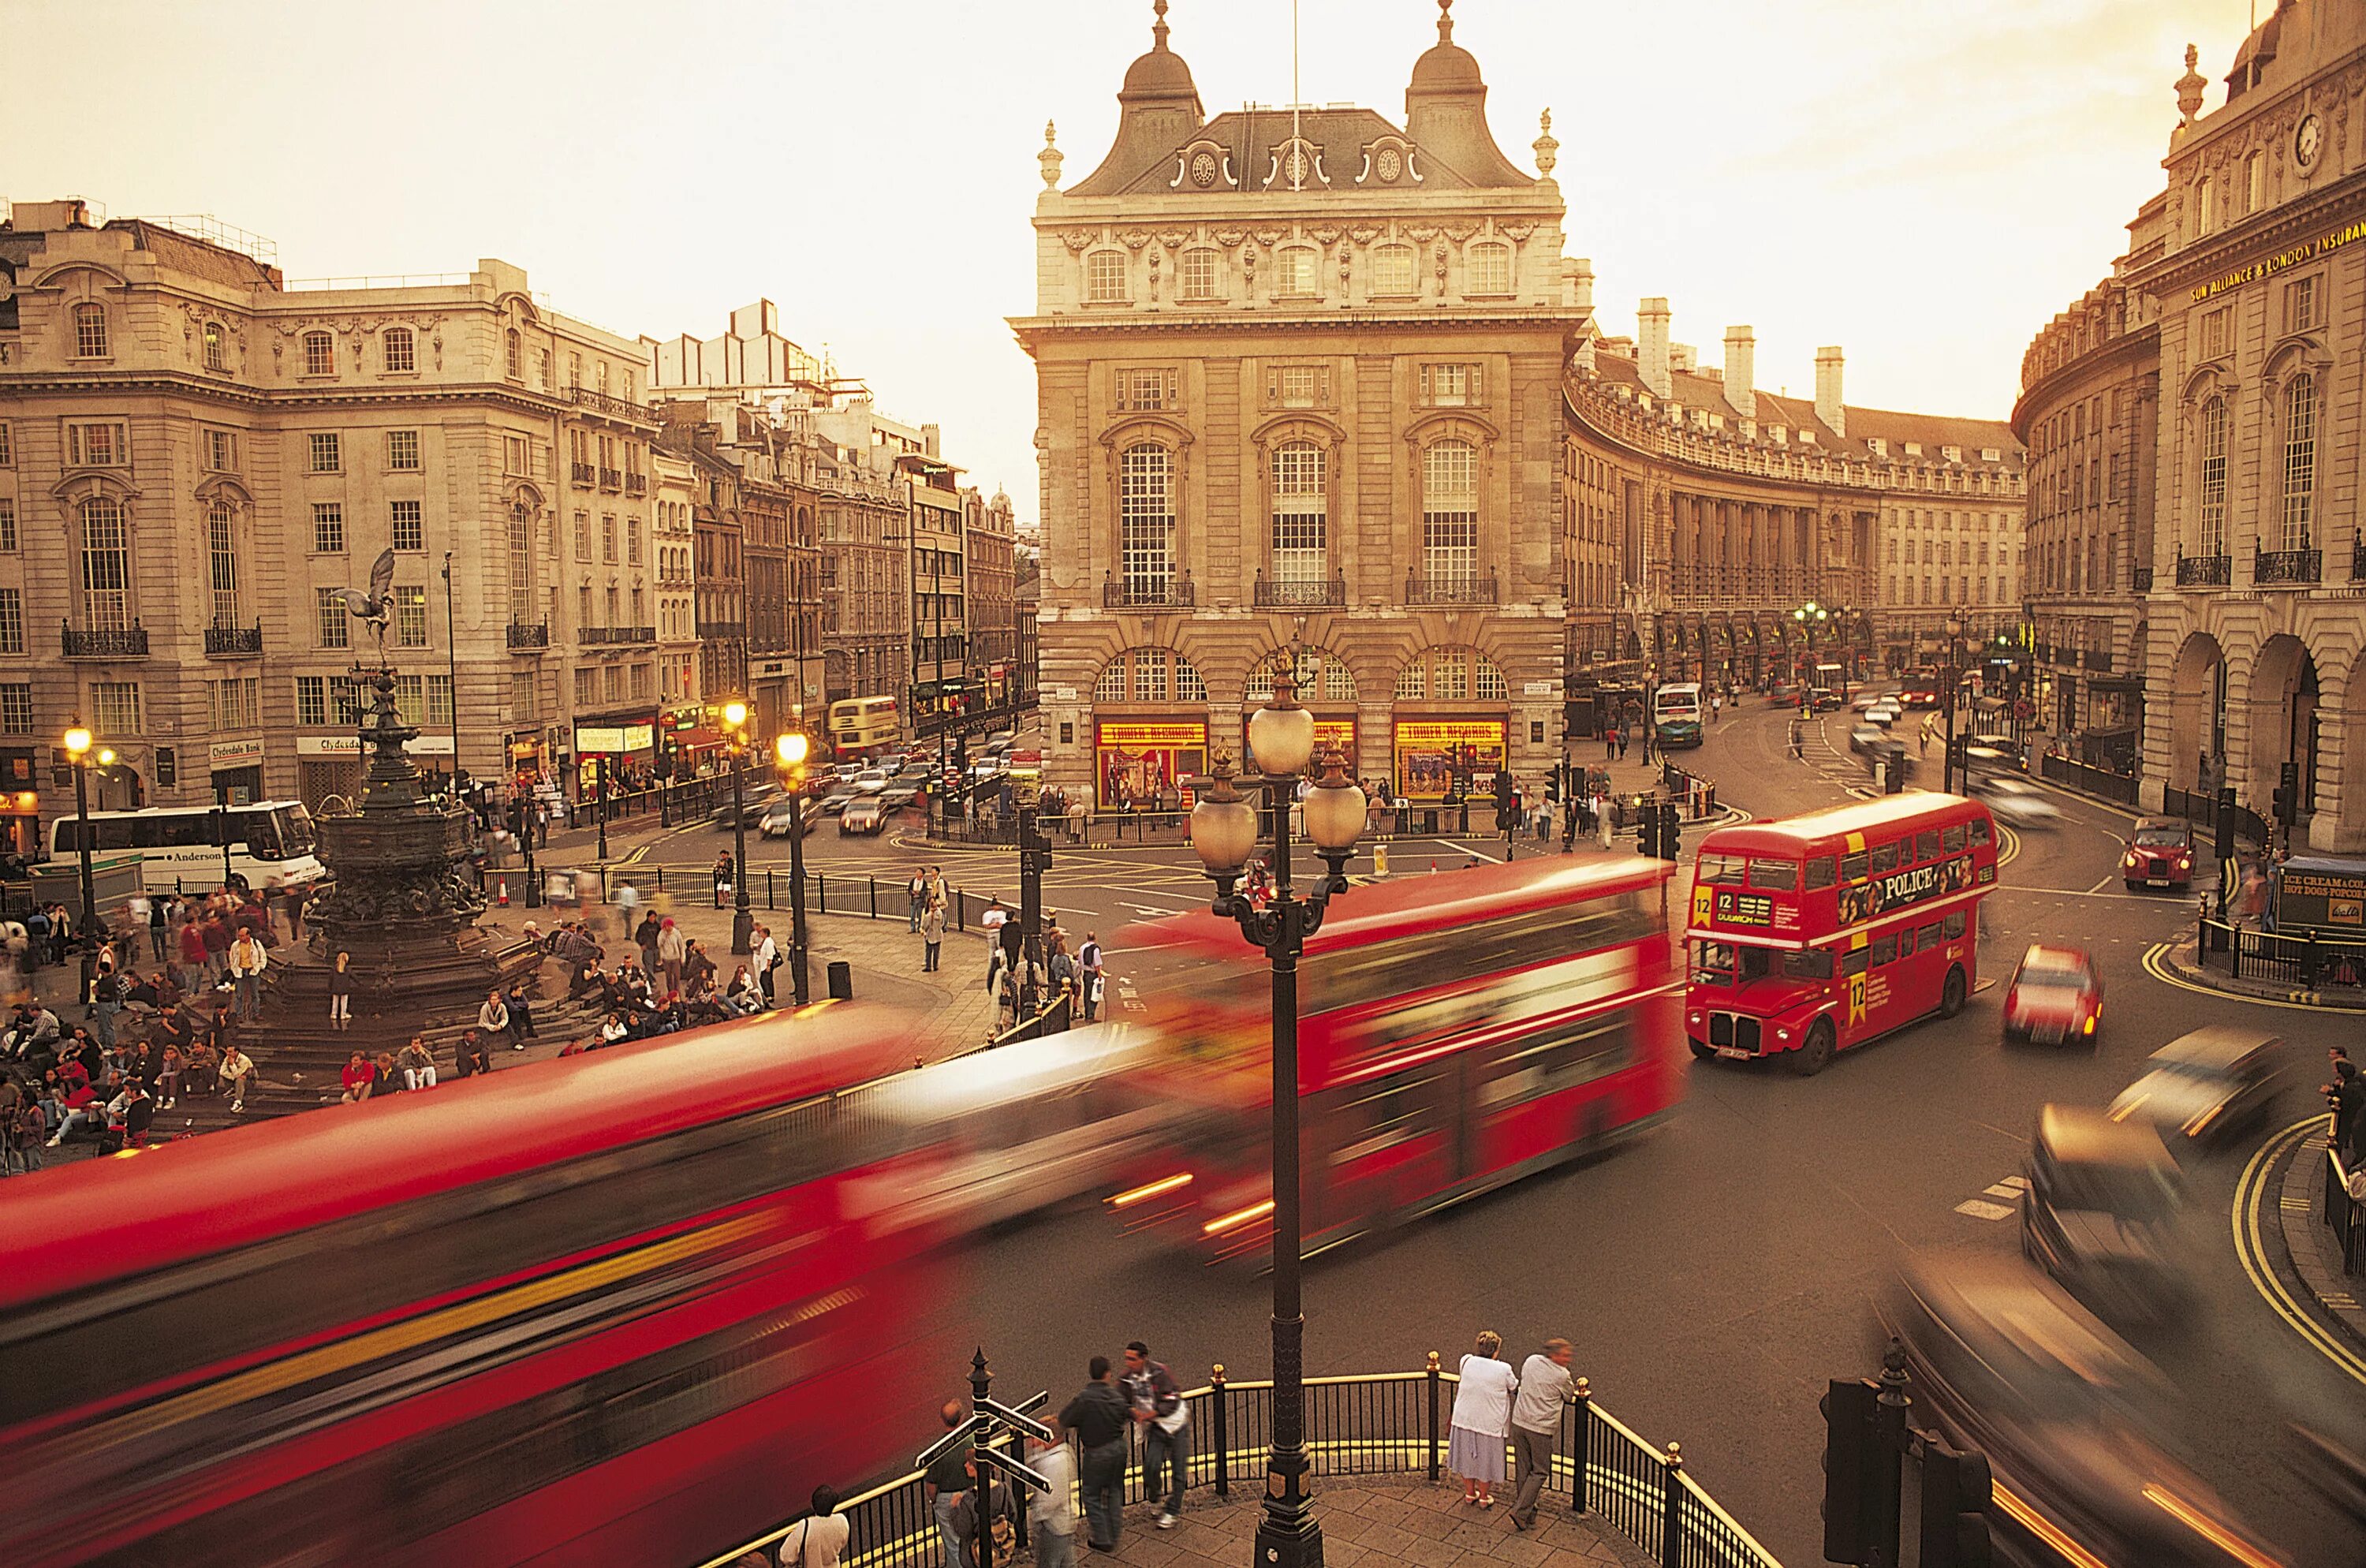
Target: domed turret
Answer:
[[1448, 67], [1160, 74], [1445, 110], [1157, 107]]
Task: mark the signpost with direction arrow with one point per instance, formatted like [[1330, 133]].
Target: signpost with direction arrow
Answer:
[[990, 1418]]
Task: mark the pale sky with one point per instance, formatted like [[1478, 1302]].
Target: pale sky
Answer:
[[1923, 182]]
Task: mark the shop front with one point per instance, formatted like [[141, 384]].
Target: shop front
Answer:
[[529, 759], [237, 778], [329, 767], [626, 744], [1140, 764], [1442, 759]]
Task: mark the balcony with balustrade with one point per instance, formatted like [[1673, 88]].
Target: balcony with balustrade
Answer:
[[233, 642], [529, 636], [590, 401], [598, 636], [583, 475], [2140, 579], [1141, 592], [1475, 588], [637, 484], [1295, 593], [111, 642], [2204, 572], [2287, 569], [612, 479]]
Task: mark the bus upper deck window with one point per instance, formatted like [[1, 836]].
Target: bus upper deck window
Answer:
[[1854, 867], [1723, 870], [1885, 859], [1926, 845], [1818, 873], [1980, 830], [1950, 840], [1775, 876]]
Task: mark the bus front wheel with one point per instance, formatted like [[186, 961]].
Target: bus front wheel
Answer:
[[1702, 1052], [1816, 1055], [1951, 997]]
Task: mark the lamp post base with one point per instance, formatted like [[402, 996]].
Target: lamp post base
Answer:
[[743, 928], [1288, 1535]]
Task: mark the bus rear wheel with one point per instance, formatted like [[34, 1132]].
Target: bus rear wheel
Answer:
[[1816, 1055], [1950, 995]]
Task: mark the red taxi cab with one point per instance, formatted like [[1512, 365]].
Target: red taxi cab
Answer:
[[2056, 996]]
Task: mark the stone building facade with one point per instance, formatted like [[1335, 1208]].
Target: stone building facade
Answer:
[[195, 454], [1299, 387], [2089, 413], [2239, 298], [988, 539]]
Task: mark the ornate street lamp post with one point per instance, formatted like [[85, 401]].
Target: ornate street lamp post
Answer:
[[77, 744], [743, 922], [1811, 616], [1954, 683], [1223, 833], [793, 748]]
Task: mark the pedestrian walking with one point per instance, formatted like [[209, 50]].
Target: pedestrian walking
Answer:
[[819, 1539], [671, 952], [1089, 967], [1482, 1420], [1052, 1513], [942, 1484], [1157, 1402], [726, 875], [1098, 1418], [916, 893], [766, 958], [932, 935], [1622, 742], [1545, 1387], [247, 962], [341, 992], [645, 937], [1610, 743]]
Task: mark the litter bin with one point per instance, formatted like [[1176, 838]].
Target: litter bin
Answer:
[[841, 981]]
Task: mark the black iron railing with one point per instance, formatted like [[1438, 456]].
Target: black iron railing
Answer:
[[2287, 566], [1385, 1424], [1279, 594], [235, 639], [536, 634], [2358, 561], [601, 403], [2306, 960], [612, 479], [118, 642], [2120, 788], [582, 473], [2204, 572], [616, 634], [1149, 593], [2140, 579], [2346, 1214], [637, 484], [1472, 590]]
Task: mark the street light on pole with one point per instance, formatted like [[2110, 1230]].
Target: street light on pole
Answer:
[[1223, 833], [77, 744], [743, 922], [1955, 683], [1811, 618], [792, 748]]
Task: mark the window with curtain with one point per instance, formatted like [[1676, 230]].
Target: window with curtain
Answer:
[[221, 564], [2299, 461], [1146, 520], [1300, 548], [106, 566], [1450, 514], [2213, 518]]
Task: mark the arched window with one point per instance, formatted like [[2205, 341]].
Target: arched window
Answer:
[[1295, 267], [215, 357], [1150, 675], [221, 564], [400, 350], [1302, 551], [2299, 461], [1320, 676], [90, 332], [106, 566], [1196, 274], [320, 355], [2213, 518], [1451, 675], [1392, 270], [1145, 511], [516, 355], [1490, 270], [1105, 277], [1450, 514], [521, 563]]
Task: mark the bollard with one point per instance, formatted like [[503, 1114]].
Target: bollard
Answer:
[[1672, 1509], [1430, 1376], [1379, 860], [874, 895], [841, 981], [821, 893]]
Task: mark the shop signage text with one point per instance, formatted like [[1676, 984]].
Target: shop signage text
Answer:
[[2307, 249]]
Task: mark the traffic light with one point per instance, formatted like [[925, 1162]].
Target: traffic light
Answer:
[[2288, 795], [1506, 805], [1849, 1444], [1647, 831], [2225, 825], [1956, 1497], [1552, 786], [1671, 831]]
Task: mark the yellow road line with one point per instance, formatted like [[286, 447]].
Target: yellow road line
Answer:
[[2155, 964], [2252, 1254], [2012, 850]]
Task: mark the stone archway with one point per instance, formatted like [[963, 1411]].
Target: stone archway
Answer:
[[2197, 713], [2282, 703]]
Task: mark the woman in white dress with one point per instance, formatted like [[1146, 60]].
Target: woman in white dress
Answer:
[[1482, 1420]]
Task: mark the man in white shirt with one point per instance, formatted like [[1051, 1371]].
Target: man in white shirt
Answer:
[[767, 954], [1545, 1387], [247, 962], [1052, 1513], [818, 1541]]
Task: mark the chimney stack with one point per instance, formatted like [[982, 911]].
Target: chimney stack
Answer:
[[1651, 347], [1740, 368], [1827, 391]]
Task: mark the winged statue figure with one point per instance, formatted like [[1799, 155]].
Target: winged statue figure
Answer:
[[374, 608]]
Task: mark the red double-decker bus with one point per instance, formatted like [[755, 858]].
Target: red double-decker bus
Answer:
[[1456, 1033], [1818, 932], [626, 1307]]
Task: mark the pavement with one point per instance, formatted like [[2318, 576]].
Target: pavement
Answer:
[[1382, 1524]]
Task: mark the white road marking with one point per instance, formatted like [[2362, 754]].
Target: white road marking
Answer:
[[2106, 882], [1147, 909], [1476, 854], [2018, 1183], [2002, 1189], [1981, 1209]]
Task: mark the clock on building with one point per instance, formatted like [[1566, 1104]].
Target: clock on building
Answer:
[[2307, 139]]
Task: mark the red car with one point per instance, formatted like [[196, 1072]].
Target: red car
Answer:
[[2160, 853], [1922, 698], [2056, 996]]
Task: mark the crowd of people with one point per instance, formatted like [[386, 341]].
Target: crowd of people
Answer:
[[667, 983]]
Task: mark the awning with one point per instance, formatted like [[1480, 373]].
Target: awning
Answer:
[[697, 740]]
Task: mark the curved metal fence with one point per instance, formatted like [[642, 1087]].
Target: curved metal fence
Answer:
[[1378, 1423]]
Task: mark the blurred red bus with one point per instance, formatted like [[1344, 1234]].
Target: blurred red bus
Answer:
[[626, 1307], [1818, 933], [1456, 1033]]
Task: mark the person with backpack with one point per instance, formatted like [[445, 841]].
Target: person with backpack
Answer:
[[1157, 1402], [1001, 1515]]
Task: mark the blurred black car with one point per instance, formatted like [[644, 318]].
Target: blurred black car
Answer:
[[2070, 1416], [756, 800], [2204, 1087], [2100, 1212]]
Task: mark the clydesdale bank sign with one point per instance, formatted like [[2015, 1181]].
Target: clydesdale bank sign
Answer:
[[1902, 889]]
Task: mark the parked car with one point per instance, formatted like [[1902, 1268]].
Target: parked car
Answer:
[[2207, 1086], [1864, 736], [781, 813], [863, 814], [2160, 853], [2056, 996], [2099, 1212], [2013, 800]]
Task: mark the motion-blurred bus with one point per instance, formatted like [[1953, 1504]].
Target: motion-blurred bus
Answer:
[[862, 726]]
